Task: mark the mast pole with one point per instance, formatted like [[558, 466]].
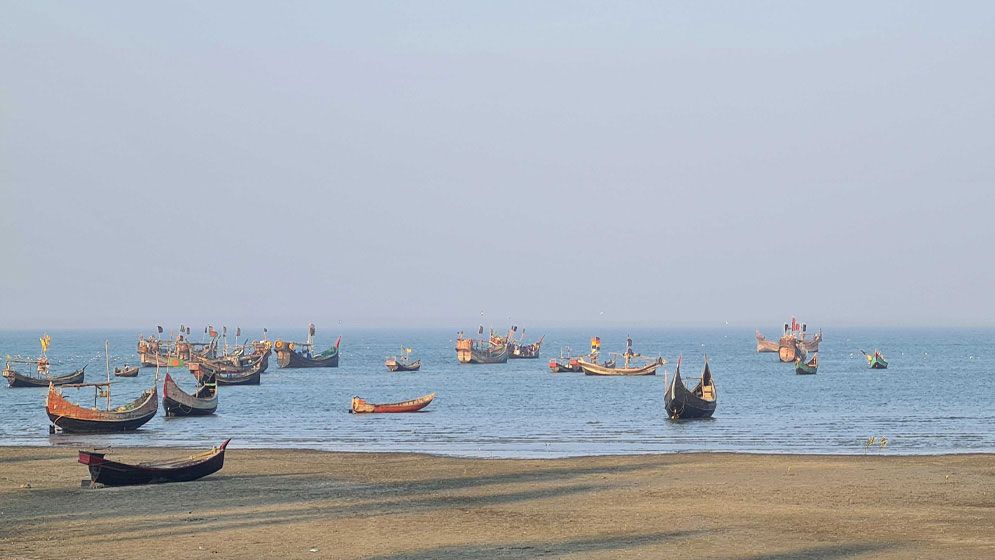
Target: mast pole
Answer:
[[107, 357]]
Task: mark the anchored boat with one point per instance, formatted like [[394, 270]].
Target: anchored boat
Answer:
[[699, 402], [288, 356], [203, 401], [360, 406]]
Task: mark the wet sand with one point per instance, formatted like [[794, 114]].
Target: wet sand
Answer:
[[310, 504]]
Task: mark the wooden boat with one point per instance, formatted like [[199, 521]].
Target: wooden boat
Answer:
[[360, 406], [71, 417], [787, 348], [764, 345], [19, 380], [802, 368], [288, 356], [697, 403], [519, 350], [810, 345], [203, 401], [155, 352], [402, 362], [126, 371], [876, 360], [113, 473], [228, 375], [609, 368], [470, 351], [566, 362]]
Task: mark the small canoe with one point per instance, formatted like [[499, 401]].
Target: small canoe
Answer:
[[203, 401], [126, 371], [396, 364], [699, 402], [591, 368], [17, 380], [112, 473], [360, 406], [802, 368]]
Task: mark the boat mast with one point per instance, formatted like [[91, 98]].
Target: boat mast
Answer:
[[107, 367]]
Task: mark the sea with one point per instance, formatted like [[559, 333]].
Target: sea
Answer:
[[936, 396]]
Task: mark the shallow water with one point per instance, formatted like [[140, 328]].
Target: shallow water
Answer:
[[935, 397]]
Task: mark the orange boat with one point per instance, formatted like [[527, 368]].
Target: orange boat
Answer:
[[360, 406]]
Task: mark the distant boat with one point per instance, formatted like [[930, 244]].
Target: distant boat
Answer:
[[288, 356], [494, 350], [126, 371], [802, 368], [519, 350], [19, 380], [764, 345], [699, 402], [787, 348], [156, 352], [629, 360], [360, 406], [876, 360], [402, 362], [113, 473], [567, 362], [203, 401]]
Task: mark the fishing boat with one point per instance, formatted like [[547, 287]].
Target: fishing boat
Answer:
[[494, 350], [203, 401], [113, 473], [764, 345], [288, 356], [518, 349], [126, 371], [876, 360], [228, 374], [787, 348], [566, 363], [803, 368], [153, 351], [360, 406], [699, 402], [810, 345], [630, 362], [402, 362], [18, 380]]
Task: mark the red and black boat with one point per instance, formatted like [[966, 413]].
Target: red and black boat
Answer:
[[112, 473]]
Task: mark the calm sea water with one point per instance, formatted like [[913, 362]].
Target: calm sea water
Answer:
[[936, 397]]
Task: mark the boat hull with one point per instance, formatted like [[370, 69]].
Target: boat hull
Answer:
[[787, 350], [17, 380], [360, 406], [683, 404], [71, 417], [126, 372], [394, 365], [597, 369], [113, 473], [177, 402], [292, 359]]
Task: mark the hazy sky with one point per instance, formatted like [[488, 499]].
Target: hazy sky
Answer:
[[417, 163]]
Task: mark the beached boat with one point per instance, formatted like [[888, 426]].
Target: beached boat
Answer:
[[699, 402], [288, 356], [876, 360], [18, 380], [360, 406], [402, 362], [470, 351], [203, 401], [764, 345], [126, 371], [803, 368], [112, 473]]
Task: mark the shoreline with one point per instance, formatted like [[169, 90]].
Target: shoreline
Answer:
[[319, 504]]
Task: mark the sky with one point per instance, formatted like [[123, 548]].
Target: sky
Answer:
[[540, 163]]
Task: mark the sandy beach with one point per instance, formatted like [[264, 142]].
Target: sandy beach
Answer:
[[309, 504]]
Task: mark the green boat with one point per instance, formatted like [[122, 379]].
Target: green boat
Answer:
[[802, 368], [876, 360]]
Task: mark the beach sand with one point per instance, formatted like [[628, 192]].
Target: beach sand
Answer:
[[310, 504]]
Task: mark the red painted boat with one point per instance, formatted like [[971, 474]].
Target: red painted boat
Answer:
[[360, 406]]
